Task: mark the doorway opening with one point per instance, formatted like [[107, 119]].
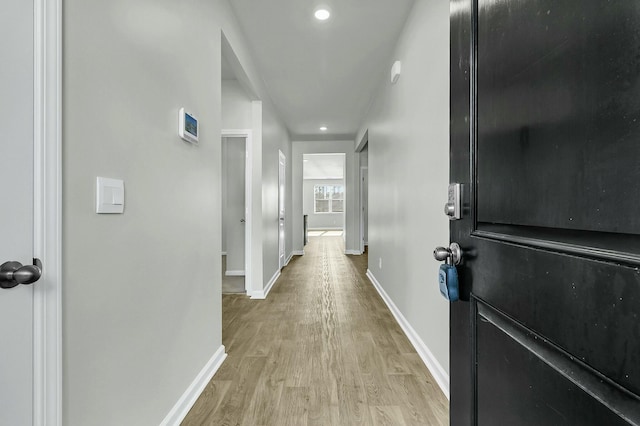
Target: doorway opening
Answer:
[[324, 194]]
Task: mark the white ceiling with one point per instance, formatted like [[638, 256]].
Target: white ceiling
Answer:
[[323, 166], [322, 73]]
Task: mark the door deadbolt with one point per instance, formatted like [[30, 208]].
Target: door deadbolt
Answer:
[[453, 208]]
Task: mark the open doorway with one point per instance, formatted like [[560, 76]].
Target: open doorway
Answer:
[[324, 194], [233, 215], [241, 113]]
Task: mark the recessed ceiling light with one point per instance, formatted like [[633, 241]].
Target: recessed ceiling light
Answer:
[[323, 128], [322, 14]]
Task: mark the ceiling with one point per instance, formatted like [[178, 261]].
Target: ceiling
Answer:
[[323, 166], [322, 73]]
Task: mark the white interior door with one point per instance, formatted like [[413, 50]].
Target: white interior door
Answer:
[[281, 207], [235, 215], [16, 214]]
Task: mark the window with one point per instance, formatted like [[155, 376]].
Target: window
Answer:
[[328, 199]]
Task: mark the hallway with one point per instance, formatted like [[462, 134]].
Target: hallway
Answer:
[[323, 349]]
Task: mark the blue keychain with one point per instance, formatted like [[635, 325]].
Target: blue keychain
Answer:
[[448, 274], [448, 280]]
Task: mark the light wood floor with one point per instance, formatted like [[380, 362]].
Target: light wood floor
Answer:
[[323, 349]]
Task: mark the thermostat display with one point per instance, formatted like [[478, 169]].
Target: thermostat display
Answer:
[[188, 126]]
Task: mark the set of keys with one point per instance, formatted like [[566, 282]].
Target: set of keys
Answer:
[[448, 274]]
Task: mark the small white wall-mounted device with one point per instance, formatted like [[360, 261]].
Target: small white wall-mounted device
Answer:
[[188, 127], [395, 71], [109, 195]]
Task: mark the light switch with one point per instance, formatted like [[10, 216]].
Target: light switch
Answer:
[[109, 195]]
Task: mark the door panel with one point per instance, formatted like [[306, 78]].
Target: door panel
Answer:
[[557, 105], [235, 213], [588, 308], [16, 214], [530, 397], [544, 106]]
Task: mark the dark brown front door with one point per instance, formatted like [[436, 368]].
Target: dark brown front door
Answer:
[[545, 137]]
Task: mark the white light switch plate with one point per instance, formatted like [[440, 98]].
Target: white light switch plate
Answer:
[[109, 195]]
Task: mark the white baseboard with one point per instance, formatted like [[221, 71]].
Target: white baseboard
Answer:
[[234, 273], [189, 397], [286, 262], [297, 253], [438, 373], [224, 253], [262, 294], [353, 252]]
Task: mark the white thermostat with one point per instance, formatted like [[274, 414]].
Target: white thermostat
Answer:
[[188, 126]]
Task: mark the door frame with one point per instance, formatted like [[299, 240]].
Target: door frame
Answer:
[[282, 261], [362, 169], [47, 244], [247, 134]]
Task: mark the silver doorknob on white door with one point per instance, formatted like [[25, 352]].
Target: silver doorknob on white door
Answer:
[[13, 273]]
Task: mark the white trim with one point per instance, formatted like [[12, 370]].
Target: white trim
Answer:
[[262, 294], [224, 253], [234, 273], [282, 242], [437, 371], [327, 228], [297, 253], [353, 252], [247, 134], [288, 259], [47, 296], [190, 396], [361, 207]]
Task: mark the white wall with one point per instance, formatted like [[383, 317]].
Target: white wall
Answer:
[[320, 220], [274, 137], [351, 227], [408, 131], [142, 296], [236, 106]]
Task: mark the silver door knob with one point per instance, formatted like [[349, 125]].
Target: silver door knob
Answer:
[[451, 254], [242, 220], [13, 273]]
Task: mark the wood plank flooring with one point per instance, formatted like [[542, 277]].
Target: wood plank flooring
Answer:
[[323, 349]]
